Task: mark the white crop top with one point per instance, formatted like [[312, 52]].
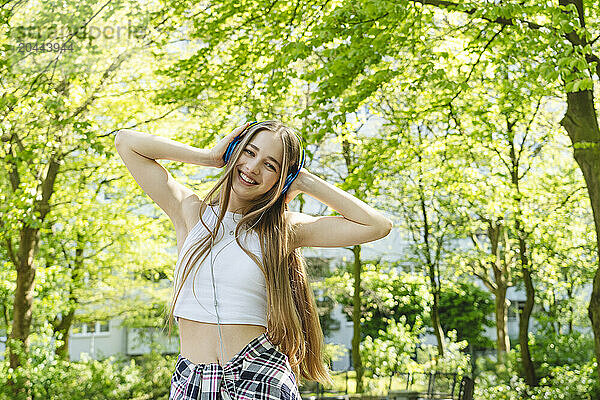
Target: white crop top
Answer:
[[240, 284]]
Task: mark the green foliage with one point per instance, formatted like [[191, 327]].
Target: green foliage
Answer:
[[145, 378], [454, 360], [466, 308], [398, 348], [318, 270], [568, 382], [552, 350], [393, 349], [387, 294]]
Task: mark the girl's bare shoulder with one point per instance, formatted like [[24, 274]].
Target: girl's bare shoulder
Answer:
[[192, 207]]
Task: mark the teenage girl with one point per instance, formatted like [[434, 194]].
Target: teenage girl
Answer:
[[247, 319]]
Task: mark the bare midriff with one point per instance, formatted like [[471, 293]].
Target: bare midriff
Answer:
[[200, 344]]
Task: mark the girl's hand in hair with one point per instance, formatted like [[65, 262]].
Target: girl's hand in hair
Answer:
[[296, 187], [217, 152]]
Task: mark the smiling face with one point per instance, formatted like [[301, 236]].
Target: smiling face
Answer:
[[260, 162]]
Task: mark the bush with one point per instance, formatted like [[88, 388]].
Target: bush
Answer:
[[570, 383], [553, 350], [146, 378], [566, 382], [454, 360], [464, 307], [393, 349]]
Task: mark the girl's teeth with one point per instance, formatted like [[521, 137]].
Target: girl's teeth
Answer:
[[245, 178]]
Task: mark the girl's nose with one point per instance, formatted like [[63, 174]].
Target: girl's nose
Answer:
[[252, 166]]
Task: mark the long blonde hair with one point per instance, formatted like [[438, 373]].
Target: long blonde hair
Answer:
[[292, 319]]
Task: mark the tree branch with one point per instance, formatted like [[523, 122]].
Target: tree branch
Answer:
[[55, 60], [459, 7], [572, 36], [477, 62]]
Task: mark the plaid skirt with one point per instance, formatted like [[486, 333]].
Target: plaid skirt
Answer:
[[257, 372]]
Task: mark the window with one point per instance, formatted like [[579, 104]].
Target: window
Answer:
[[90, 328], [77, 328], [103, 327]]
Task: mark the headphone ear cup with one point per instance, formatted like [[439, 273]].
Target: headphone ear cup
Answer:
[[291, 177]]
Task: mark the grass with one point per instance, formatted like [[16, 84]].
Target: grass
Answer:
[[377, 386]]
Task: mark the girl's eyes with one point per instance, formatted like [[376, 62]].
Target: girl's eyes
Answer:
[[269, 164]]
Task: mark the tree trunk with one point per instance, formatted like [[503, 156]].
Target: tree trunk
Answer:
[[18, 343], [528, 367], [61, 332], [356, 314], [435, 313], [570, 300], [581, 123], [527, 362], [23, 261], [433, 276], [502, 339], [500, 269]]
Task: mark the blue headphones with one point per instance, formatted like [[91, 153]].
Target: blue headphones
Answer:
[[289, 179]]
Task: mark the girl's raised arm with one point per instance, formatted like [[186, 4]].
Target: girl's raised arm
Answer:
[[156, 147], [139, 151], [359, 223]]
